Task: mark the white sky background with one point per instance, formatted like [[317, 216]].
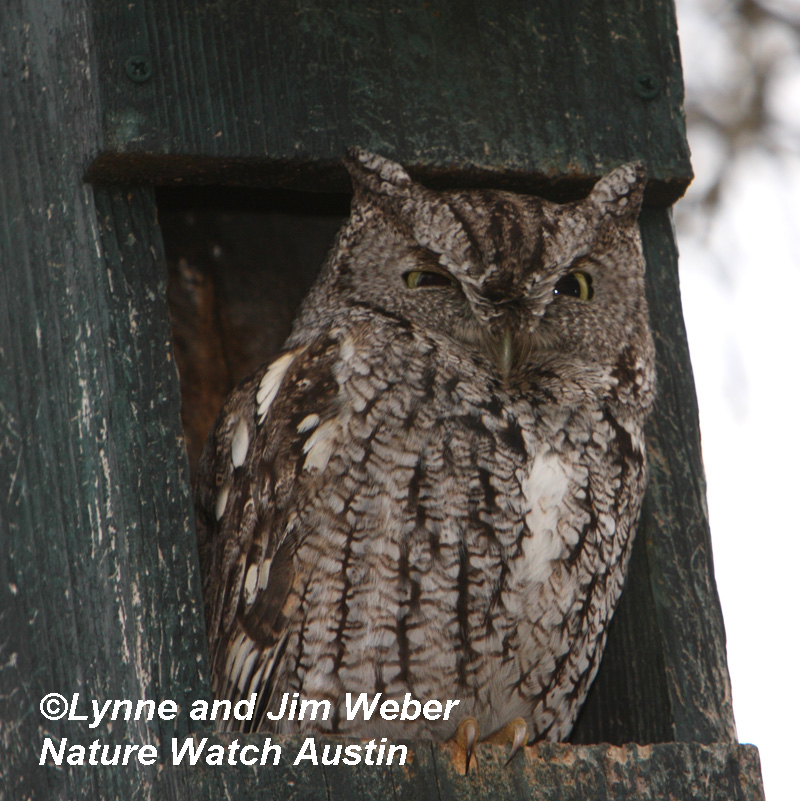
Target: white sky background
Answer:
[[740, 284]]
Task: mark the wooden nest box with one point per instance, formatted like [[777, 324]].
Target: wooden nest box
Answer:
[[202, 140]]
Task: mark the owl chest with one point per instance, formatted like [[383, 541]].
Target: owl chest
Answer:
[[466, 504], [451, 538]]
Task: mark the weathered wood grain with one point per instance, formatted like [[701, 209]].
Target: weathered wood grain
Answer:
[[687, 771], [97, 590], [688, 615], [542, 95], [98, 568]]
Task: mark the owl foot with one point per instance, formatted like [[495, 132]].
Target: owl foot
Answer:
[[466, 737], [515, 733]]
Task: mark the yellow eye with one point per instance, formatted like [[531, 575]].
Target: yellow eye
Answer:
[[575, 285], [417, 279]]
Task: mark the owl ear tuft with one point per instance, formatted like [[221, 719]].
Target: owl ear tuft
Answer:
[[376, 175], [620, 191]]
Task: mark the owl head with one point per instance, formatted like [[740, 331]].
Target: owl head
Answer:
[[519, 284]]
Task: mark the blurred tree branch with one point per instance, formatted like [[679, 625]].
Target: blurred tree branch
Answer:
[[733, 96]]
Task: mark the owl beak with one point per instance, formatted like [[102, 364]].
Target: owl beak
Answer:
[[504, 352]]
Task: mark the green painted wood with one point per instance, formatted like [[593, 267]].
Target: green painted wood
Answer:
[[548, 95], [97, 593], [98, 567], [719, 772], [680, 559]]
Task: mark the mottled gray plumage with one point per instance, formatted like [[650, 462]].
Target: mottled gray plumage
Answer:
[[433, 488]]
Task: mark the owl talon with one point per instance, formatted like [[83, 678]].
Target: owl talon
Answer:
[[466, 737], [517, 732]]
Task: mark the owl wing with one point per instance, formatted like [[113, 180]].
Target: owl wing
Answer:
[[251, 484]]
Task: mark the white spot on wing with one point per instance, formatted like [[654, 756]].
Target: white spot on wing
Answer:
[[271, 382], [250, 584], [222, 501], [319, 446], [263, 574], [240, 444], [307, 423]]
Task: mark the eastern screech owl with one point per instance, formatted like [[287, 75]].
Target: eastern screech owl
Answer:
[[433, 487]]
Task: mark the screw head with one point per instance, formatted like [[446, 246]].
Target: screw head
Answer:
[[647, 85], [139, 69]]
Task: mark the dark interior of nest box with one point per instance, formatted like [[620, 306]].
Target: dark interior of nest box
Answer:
[[239, 263]]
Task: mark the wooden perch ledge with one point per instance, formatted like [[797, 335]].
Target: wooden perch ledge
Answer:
[[718, 772]]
